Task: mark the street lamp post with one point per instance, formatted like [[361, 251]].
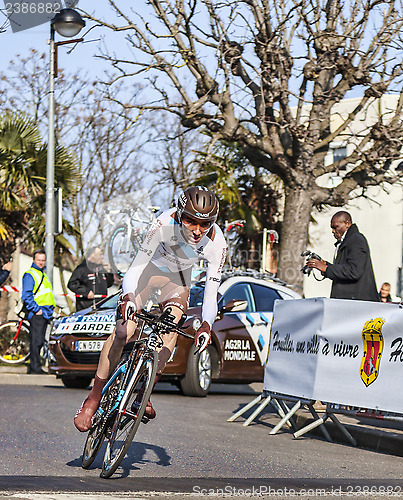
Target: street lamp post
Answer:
[[67, 23]]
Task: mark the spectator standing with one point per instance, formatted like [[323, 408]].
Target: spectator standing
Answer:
[[5, 272], [90, 279], [351, 273], [39, 301], [384, 293]]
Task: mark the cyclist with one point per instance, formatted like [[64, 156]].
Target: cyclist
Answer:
[[177, 239]]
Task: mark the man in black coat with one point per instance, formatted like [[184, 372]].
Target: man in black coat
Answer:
[[351, 272], [91, 279]]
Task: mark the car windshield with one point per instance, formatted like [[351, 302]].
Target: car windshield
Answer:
[[110, 303], [196, 295]]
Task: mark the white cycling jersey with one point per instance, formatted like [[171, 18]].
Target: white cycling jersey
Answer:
[[166, 247]]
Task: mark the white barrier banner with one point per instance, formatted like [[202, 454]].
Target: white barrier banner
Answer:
[[339, 351]]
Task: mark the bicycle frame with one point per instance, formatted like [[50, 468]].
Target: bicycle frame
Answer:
[[125, 370], [122, 370], [21, 321], [148, 344]]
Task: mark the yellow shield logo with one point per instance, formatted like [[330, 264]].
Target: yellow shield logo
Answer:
[[373, 345]]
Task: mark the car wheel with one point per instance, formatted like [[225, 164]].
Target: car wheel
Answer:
[[197, 380], [76, 382]]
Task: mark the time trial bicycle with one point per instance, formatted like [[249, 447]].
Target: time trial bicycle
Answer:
[[125, 395]]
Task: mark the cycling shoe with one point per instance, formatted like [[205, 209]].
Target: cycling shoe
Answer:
[[83, 417]]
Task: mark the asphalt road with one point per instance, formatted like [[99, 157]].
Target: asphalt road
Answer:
[[189, 449]]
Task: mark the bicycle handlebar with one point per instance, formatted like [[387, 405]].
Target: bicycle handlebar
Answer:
[[163, 323]]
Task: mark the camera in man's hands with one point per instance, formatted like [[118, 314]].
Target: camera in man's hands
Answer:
[[309, 255]]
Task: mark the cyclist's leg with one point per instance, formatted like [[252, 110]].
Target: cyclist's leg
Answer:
[[169, 342], [113, 347], [176, 298], [110, 356], [164, 353]]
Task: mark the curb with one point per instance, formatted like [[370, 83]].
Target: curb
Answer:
[[384, 440]]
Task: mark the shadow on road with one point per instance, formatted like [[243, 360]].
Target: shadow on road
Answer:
[[139, 453]]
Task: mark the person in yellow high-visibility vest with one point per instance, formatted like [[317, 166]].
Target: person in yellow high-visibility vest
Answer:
[[39, 301]]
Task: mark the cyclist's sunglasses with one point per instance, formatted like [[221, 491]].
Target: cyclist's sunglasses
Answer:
[[190, 223]]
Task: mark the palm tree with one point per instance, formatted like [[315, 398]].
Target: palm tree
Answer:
[[245, 193], [23, 184]]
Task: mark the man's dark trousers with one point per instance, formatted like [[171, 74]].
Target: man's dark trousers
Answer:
[[37, 332]]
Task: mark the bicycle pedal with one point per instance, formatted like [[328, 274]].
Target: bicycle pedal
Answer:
[[145, 420]]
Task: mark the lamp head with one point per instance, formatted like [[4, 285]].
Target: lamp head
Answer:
[[68, 23]]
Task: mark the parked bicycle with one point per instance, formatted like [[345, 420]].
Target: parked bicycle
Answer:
[[127, 392], [127, 236], [14, 340]]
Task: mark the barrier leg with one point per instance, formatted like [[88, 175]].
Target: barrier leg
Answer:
[[311, 426], [342, 429], [245, 408], [286, 418], [258, 410], [322, 428], [284, 411]]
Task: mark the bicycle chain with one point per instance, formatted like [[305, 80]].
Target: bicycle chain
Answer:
[[110, 398]]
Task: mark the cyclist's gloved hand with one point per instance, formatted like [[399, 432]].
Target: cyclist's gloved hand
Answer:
[[202, 337], [126, 307]]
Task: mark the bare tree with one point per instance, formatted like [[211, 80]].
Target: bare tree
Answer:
[[174, 152], [95, 121], [269, 75], [107, 140]]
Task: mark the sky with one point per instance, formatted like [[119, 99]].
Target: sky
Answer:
[[84, 54]]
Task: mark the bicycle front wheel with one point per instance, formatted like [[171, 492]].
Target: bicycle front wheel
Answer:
[[14, 342], [128, 419], [122, 250], [102, 419]]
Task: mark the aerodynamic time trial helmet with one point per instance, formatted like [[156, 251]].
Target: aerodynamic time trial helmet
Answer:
[[199, 203]]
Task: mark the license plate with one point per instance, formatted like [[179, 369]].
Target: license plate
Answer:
[[89, 345]]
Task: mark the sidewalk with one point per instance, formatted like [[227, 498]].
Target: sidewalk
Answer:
[[18, 375]]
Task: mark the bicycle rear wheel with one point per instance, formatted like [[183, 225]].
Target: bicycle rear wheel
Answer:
[[122, 250], [128, 419], [14, 342]]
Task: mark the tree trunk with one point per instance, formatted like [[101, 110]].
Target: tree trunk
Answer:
[[294, 236]]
